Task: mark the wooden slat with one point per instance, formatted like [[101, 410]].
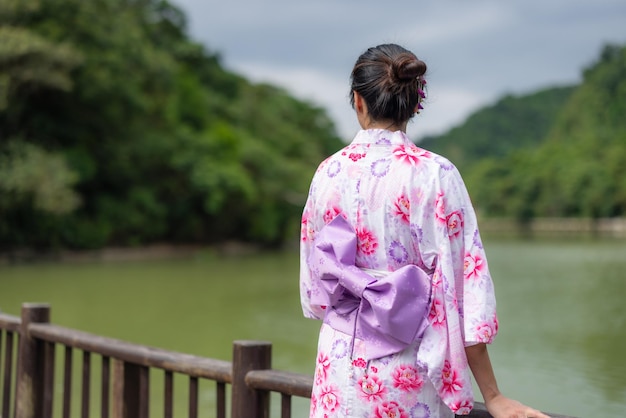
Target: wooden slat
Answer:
[[193, 397], [285, 406], [106, 385], [86, 384], [168, 395], [1, 365], [67, 382], [17, 336], [144, 392], [8, 373], [119, 379], [221, 399], [48, 376], [15, 379]]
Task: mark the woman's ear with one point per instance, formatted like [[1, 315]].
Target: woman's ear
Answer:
[[360, 107], [359, 103]]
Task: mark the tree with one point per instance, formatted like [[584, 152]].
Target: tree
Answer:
[[148, 132], [575, 164]]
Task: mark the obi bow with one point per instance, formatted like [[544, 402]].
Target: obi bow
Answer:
[[388, 313]]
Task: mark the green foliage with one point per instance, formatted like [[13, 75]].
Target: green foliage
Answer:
[[117, 109], [513, 123], [571, 161], [43, 179], [28, 62], [589, 142]]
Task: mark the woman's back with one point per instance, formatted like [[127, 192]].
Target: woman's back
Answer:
[[391, 260]]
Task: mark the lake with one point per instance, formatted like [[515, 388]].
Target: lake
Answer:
[[561, 346]]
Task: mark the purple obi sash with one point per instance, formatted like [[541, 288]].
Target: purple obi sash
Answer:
[[388, 313]]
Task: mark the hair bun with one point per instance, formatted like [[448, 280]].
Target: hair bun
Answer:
[[407, 67], [390, 79]]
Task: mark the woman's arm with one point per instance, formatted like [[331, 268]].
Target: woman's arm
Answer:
[[497, 404]]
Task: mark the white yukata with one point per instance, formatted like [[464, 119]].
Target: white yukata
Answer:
[[407, 206]]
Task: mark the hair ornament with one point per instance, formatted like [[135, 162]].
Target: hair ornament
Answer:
[[421, 85]]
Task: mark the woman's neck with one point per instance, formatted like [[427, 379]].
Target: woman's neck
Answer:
[[386, 125]]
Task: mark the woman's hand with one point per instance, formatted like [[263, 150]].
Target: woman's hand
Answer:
[[502, 407]]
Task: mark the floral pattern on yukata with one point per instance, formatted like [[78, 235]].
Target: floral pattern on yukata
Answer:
[[407, 206]]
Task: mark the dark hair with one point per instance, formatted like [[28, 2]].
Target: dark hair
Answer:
[[388, 78]]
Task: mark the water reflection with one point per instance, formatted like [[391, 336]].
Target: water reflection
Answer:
[[562, 317], [604, 343]]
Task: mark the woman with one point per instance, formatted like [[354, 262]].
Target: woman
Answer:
[[392, 261]]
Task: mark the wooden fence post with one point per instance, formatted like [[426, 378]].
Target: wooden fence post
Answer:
[[131, 390], [31, 365], [247, 402]]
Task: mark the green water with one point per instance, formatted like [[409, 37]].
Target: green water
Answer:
[[561, 347]]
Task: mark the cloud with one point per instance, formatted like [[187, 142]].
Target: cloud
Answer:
[[437, 26]]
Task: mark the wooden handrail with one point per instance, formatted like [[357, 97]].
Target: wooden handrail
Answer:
[[480, 411], [249, 374], [9, 322], [141, 355], [288, 383]]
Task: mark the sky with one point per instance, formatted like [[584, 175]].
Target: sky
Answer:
[[476, 51]]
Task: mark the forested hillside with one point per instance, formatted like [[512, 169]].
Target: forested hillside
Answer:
[[559, 152], [513, 123], [117, 129]]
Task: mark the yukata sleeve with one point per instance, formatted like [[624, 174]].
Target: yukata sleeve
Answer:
[[473, 285], [462, 302], [307, 236], [466, 285]]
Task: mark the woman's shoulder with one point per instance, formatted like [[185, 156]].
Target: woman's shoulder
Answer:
[[424, 160]]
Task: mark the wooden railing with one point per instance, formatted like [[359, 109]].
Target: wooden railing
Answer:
[[27, 374]]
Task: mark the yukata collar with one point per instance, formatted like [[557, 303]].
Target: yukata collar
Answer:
[[381, 137]]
